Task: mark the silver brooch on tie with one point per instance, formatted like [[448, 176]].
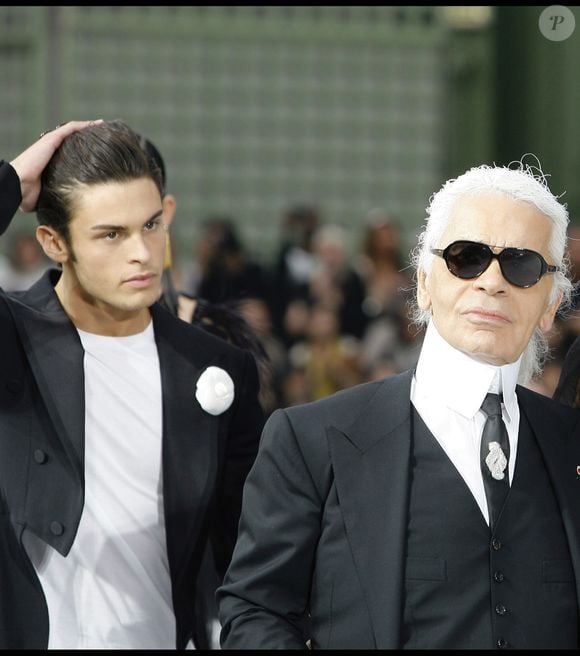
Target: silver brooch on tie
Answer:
[[496, 461]]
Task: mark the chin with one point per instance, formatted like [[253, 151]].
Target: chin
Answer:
[[137, 305], [498, 359], [147, 298], [488, 352]]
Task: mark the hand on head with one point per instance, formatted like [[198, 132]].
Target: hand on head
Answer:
[[30, 164]]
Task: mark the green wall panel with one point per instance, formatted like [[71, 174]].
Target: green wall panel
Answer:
[[255, 108], [258, 107]]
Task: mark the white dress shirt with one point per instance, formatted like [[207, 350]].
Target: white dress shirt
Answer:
[[447, 391]]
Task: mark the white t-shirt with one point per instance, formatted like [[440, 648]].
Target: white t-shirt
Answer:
[[113, 590]]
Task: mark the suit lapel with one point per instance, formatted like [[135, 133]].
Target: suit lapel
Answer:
[[190, 437], [558, 437], [371, 465], [55, 355]]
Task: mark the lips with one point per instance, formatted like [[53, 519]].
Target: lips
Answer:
[[484, 315], [141, 280]]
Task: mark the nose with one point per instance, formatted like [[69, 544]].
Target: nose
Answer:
[[491, 281], [138, 249]]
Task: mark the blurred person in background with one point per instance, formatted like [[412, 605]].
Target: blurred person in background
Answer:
[[391, 341], [568, 387], [295, 321], [567, 390], [569, 324], [257, 315], [393, 338], [381, 263], [295, 262], [329, 359], [24, 263], [574, 258], [227, 271], [334, 283]]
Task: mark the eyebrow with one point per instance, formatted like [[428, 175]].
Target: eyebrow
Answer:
[[111, 227]]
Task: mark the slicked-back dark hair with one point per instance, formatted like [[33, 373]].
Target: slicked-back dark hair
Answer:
[[107, 152]]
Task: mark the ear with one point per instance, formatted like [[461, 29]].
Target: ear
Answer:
[[423, 295], [169, 207], [547, 319], [53, 244]]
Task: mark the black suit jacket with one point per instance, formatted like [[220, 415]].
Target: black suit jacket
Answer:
[[42, 416], [320, 551]]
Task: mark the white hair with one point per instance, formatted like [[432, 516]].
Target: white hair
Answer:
[[524, 183]]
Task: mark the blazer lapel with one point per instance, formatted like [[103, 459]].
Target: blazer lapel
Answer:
[[190, 437], [371, 464], [55, 355], [558, 437]]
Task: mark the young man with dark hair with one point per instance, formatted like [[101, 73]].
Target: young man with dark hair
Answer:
[[125, 433]]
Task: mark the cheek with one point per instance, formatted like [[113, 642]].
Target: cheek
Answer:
[[444, 298], [94, 267], [161, 244], [543, 316], [156, 243], [92, 278]]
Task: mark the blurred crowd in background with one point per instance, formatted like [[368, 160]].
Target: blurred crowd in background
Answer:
[[328, 316]]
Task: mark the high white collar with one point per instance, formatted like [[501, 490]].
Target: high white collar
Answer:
[[457, 380]]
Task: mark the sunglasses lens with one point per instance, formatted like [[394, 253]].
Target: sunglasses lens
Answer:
[[467, 259], [520, 267]]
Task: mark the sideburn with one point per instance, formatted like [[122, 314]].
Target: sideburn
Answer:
[[71, 253]]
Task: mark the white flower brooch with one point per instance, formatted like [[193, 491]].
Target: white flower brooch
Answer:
[[215, 390]]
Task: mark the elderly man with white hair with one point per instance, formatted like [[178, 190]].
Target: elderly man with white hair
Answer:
[[438, 508]]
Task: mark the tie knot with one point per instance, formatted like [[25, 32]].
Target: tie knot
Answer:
[[492, 405]]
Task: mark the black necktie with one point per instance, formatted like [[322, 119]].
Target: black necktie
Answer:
[[495, 454]]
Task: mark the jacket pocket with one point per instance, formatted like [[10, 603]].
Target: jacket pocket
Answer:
[[557, 571]]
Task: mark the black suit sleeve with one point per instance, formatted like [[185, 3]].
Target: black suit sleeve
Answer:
[[10, 196], [264, 600]]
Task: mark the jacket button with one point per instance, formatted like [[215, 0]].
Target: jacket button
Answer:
[[498, 577], [56, 528], [500, 609], [496, 544], [502, 643], [40, 456]]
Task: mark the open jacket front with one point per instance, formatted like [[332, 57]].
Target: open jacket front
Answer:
[[42, 427]]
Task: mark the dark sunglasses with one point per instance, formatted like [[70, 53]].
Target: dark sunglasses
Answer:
[[519, 266]]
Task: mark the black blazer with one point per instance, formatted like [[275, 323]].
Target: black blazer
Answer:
[[42, 414], [320, 551]]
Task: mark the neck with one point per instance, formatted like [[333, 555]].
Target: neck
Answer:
[[94, 316]]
